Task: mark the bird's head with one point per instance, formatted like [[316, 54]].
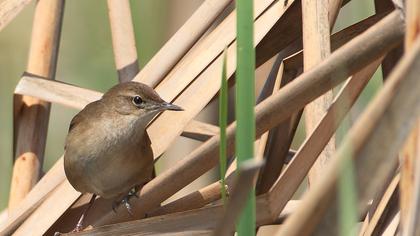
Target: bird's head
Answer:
[[137, 99]]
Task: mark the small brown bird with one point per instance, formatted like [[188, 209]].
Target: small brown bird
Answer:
[[107, 151]]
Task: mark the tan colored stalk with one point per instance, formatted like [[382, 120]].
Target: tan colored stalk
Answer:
[[396, 106], [123, 39], [295, 172], [410, 153], [31, 114], [181, 42]]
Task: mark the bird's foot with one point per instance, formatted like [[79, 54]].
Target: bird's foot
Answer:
[[78, 228], [134, 192], [126, 201]]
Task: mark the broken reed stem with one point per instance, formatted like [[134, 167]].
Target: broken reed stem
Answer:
[[345, 61], [31, 121], [277, 143], [123, 39]]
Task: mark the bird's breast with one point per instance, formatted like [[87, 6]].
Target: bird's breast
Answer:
[[110, 162]]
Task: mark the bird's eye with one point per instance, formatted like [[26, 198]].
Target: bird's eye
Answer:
[[137, 100]]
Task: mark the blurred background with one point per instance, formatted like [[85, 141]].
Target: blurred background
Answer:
[[86, 60]]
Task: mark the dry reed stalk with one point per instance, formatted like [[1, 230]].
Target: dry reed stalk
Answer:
[[181, 42], [375, 42], [31, 115], [200, 131], [58, 199], [316, 47], [396, 106], [54, 177], [393, 56], [123, 39], [76, 97], [56, 92], [391, 229], [412, 226], [194, 200], [272, 84], [3, 216], [280, 142], [411, 150], [333, 10], [293, 66], [203, 53], [203, 86], [243, 183], [375, 202], [295, 172], [9, 9], [280, 138], [199, 198], [376, 220], [203, 220], [291, 22], [295, 63]]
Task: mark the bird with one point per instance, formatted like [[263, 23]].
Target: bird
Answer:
[[107, 149]]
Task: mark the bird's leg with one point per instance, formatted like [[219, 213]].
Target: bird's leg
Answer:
[[79, 225], [126, 202]]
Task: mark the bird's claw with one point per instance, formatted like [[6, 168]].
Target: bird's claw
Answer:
[[127, 205], [126, 201], [78, 228], [133, 192]]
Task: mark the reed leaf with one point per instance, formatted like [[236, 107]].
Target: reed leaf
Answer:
[[223, 109]]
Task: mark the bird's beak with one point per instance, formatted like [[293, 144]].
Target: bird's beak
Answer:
[[172, 107]]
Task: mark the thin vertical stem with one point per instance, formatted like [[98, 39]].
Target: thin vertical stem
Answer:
[[411, 150], [245, 100], [223, 124], [31, 114], [316, 46], [123, 39]]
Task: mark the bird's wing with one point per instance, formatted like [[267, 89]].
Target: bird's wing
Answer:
[[80, 117]]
